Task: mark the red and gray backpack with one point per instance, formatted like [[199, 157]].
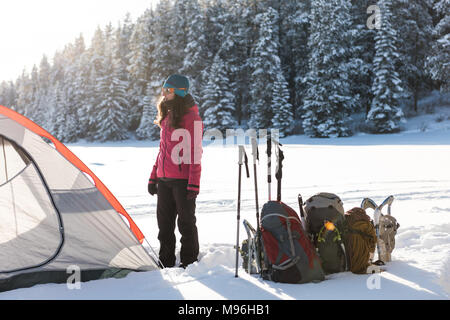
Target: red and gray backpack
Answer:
[[288, 254]]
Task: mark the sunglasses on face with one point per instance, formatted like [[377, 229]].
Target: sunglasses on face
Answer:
[[170, 90]]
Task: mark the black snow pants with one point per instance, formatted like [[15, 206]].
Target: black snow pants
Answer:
[[172, 202]]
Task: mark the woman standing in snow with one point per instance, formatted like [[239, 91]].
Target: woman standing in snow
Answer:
[[175, 177]]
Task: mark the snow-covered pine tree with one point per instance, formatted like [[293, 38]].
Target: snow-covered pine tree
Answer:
[[41, 113], [8, 94], [85, 94], [438, 58], [179, 26], [122, 53], [66, 121], [111, 111], [414, 25], [140, 61], [237, 37], [24, 93], [165, 61], [96, 63], [147, 129], [266, 66], [80, 86], [55, 115], [218, 101], [43, 102], [32, 111], [385, 114], [283, 116], [196, 55], [328, 100], [363, 51], [293, 34]]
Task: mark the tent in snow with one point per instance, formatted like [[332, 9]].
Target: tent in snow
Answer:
[[54, 217]]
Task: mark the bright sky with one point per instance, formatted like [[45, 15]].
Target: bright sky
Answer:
[[31, 28]]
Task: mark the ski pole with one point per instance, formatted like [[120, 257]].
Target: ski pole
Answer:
[[242, 154], [269, 164], [279, 171], [255, 154]]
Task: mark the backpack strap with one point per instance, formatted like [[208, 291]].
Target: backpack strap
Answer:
[[349, 230]]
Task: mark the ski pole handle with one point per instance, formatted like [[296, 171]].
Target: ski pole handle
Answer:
[[243, 159], [241, 155], [254, 150]]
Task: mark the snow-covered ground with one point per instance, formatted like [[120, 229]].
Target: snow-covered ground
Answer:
[[413, 166]]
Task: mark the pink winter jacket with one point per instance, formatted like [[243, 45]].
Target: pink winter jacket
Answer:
[[180, 151]]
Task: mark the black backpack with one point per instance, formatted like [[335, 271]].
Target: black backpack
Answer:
[[325, 224]]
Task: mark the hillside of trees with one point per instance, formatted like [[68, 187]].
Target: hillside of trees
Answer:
[[300, 66]]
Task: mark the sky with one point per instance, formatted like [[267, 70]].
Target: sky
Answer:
[[29, 28]]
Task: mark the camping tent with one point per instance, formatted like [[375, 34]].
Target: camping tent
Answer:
[[56, 214]]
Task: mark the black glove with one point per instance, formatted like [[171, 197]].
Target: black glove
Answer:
[[152, 189]]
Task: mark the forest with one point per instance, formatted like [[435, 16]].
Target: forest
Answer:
[[301, 66]]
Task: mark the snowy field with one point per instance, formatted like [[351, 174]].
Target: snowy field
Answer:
[[413, 166]]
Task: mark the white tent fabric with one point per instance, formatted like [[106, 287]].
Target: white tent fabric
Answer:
[[52, 216]]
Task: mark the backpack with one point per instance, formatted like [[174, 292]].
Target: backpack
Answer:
[[325, 224], [288, 254], [360, 240]]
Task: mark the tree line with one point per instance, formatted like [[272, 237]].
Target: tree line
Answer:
[[295, 65]]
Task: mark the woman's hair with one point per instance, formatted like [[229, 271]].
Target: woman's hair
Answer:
[[177, 105]]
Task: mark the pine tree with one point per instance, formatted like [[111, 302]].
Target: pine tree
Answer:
[[266, 67], [437, 61], [66, 126], [111, 111], [44, 75], [32, 109], [235, 49], [24, 93], [196, 55], [121, 51], [56, 113], [413, 24], [294, 32], [140, 61], [328, 100], [283, 115], [385, 114], [165, 58], [7, 94], [363, 52], [218, 102], [148, 130], [80, 86]]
